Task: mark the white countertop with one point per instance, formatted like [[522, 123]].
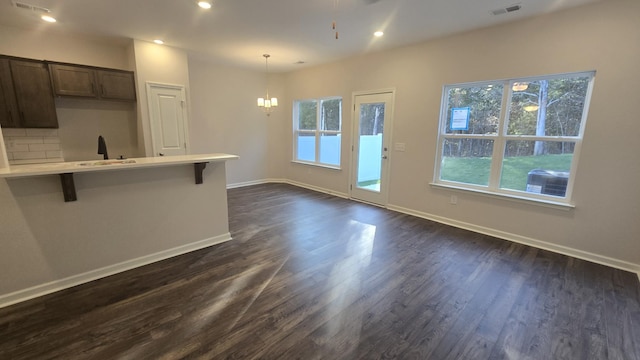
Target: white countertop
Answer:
[[109, 165]]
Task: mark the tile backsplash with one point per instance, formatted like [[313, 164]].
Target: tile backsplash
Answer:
[[32, 146]]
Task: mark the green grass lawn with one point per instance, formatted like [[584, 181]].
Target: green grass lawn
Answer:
[[514, 170]]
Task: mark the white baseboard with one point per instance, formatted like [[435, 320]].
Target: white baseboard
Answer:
[[290, 182], [57, 285], [250, 183], [564, 250], [318, 189]]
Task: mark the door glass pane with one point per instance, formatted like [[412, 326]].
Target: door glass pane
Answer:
[[370, 146], [547, 173], [467, 161]]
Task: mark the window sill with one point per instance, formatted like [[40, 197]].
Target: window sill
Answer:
[[317, 165], [521, 199]]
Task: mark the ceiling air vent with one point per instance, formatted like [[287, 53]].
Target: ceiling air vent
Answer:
[[34, 8], [508, 9]]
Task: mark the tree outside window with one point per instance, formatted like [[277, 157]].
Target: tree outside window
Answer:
[[530, 149], [317, 131]]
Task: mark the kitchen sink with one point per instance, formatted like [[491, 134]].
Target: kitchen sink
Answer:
[[106, 162]]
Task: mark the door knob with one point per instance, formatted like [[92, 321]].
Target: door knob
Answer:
[[161, 154]]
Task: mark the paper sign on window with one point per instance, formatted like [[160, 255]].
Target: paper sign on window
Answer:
[[460, 118]]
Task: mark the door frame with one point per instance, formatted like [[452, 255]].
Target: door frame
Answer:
[[185, 113], [355, 118]]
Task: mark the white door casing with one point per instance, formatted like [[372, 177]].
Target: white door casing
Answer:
[[168, 118], [371, 145]]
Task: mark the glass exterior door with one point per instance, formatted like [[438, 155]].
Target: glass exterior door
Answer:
[[372, 118]]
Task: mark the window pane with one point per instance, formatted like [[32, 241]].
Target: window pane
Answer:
[[542, 174], [466, 161], [307, 115], [306, 147], [483, 103], [371, 119], [548, 107], [330, 149], [331, 115]]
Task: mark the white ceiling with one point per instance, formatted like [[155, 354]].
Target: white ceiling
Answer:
[[240, 31]]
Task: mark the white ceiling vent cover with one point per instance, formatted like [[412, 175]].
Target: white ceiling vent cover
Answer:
[[505, 10], [34, 8]]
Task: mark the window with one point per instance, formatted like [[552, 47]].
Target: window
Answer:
[[316, 130], [518, 137]]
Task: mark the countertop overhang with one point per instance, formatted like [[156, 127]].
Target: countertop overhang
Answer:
[[84, 166], [66, 169]]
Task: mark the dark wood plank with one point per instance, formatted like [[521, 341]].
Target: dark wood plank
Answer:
[[312, 276]]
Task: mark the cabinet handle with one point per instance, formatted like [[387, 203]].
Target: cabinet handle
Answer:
[[103, 89], [93, 88]]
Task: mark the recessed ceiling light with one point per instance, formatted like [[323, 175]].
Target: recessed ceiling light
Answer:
[[158, 41], [378, 33], [204, 4], [48, 18]]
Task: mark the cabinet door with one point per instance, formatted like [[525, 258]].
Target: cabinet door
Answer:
[[34, 94], [8, 106], [116, 85], [73, 81]]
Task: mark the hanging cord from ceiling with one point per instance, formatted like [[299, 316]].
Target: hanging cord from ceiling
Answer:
[[335, 12]]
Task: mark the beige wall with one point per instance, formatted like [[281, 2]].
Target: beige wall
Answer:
[[121, 219], [604, 37], [158, 64], [44, 44], [81, 120], [225, 119]]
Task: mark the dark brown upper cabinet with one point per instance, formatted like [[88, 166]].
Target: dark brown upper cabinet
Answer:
[[73, 80], [89, 82], [27, 94], [116, 85], [9, 115]]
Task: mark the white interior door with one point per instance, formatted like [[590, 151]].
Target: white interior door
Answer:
[[372, 118], [168, 116]]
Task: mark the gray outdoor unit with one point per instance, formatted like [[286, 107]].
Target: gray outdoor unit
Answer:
[[547, 182]]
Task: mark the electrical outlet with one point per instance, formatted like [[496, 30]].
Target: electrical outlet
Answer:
[[454, 200]]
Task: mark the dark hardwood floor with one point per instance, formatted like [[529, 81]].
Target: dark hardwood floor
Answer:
[[311, 276]]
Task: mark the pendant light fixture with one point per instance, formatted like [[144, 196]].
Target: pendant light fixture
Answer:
[[530, 106], [266, 103], [520, 86]]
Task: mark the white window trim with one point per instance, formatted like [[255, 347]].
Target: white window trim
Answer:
[[493, 188], [318, 133]]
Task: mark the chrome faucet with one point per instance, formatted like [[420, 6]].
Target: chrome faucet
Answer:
[[102, 147]]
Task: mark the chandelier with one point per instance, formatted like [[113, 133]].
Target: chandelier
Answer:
[[266, 103]]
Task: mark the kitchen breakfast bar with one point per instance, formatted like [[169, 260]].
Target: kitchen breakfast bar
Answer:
[[68, 223]]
